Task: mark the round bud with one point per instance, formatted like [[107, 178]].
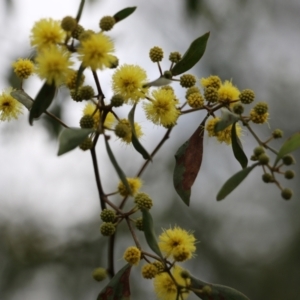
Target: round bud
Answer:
[[175, 57], [87, 121], [86, 92], [76, 95], [277, 133], [258, 151], [107, 228], [107, 23], [263, 159], [261, 108], [195, 100], [187, 80], [86, 34], [149, 271], [159, 265], [247, 96], [288, 160], [238, 108], [168, 74], [289, 174], [77, 31], [132, 255], [211, 94], [156, 54], [191, 90], [267, 177], [286, 194], [211, 81], [185, 274], [68, 23], [139, 224], [87, 144], [122, 130], [117, 100], [143, 201], [99, 274], [108, 215]]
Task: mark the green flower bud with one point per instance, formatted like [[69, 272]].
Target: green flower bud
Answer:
[[87, 121], [107, 23], [288, 160], [261, 108], [87, 144], [238, 108], [258, 151], [263, 159], [76, 95], [117, 100], [107, 228], [139, 224], [99, 274], [211, 94], [143, 201], [191, 90], [286, 194], [77, 31], [187, 80], [267, 177], [175, 57], [156, 54], [247, 96], [68, 23], [86, 92], [289, 174], [277, 133], [108, 215]]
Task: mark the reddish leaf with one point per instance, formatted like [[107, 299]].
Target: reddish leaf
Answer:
[[188, 162]]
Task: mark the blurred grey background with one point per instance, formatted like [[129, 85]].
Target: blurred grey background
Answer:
[[49, 208]]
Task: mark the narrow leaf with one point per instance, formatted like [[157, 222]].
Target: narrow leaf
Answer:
[[188, 162], [70, 138], [42, 101], [149, 232], [208, 291], [118, 287], [134, 139], [80, 9], [117, 167], [290, 145], [192, 55], [124, 13], [237, 148], [233, 182], [79, 75], [227, 118], [23, 98]]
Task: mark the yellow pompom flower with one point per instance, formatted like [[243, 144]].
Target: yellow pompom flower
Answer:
[[162, 109], [53, 64], [95, 52], [228, 92], [128, 81], [46, 32], [132, 255], [23, 68], [258, 118], [166, 289], [177, 241], [91, 109], [134, 184], [149, 271], [211, 81], [224, 135], [10, 108]]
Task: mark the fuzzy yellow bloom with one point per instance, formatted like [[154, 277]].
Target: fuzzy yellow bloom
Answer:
[[91, 109], [53, 64], [46, 32], [211, 81], [228, 92], [124, 132], [128, 81], [178, 243], [132, 255], [224, 135], [258, 118], [134, 183], [166, 289], [162, 110], [96, 52], [23, 68], [10, 108]]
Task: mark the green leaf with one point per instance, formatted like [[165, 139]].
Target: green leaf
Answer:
[[227, 118], [118, 288], [237, 148], [135, 141], [117, 167], [80, 9], [149, 232], [208, 291], [70, 138], [23, 98], [192, 55], [188, 162], [79, 75], [290, 145], [124, 13], [233, 182], [42, 101]]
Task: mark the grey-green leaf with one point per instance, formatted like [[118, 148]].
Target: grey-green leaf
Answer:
[[192, 55], [208, 291], [237, 148], [42, 101], [117, 167], [290, 145], [70, 138], [149, 232], [227, 118], [234, 181], [23, 98], [124, 13], [135, 141]]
